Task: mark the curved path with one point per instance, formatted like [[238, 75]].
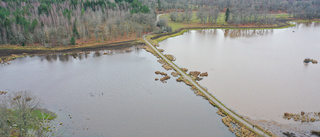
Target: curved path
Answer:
[[207, 94]]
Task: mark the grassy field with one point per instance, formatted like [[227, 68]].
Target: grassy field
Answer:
[[183, 26], [195, 22]]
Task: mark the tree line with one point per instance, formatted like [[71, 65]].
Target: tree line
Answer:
[[242, 11], [62, 22]]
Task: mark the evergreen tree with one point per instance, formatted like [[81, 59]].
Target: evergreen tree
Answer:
[[227, 14], [72, 41], [34, 24], [159, 5], [74, 30]]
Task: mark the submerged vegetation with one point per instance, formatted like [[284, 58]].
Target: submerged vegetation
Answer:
[[303, 116]]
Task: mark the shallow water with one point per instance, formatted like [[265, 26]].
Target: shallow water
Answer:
[[257, 73], [113, 95]]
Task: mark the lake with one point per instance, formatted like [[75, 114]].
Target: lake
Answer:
[[259, 74], [113, 95]]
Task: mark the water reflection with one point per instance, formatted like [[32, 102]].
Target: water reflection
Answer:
[[113, 95], [247, 33], [234, 33], [305, 24], [64, 57], [255, 69]]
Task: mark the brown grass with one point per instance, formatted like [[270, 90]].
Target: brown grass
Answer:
[[237, 128], [204, 74], [149, 49], [303, 116], [184, 69], [175, 74], [161, 61], [161, 50], [220, 112], [166, 67], [194, 73], [170, 57]]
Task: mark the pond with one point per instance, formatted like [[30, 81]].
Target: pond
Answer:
[[112, 95], [259, 74]]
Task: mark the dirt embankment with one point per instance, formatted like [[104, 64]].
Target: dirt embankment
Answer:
[[4, 52]]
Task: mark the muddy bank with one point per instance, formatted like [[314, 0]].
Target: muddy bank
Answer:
[[4, 52]]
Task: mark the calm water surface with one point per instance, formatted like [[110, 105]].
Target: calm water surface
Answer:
[[257, 73], [113, 95]]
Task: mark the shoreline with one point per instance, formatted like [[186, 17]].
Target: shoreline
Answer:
[[180, 31], [9, 51], [263, 125], [231, 116]]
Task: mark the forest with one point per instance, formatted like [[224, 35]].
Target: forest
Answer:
[[69, 22]]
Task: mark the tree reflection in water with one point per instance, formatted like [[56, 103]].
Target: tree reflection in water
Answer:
[[64, 57]]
